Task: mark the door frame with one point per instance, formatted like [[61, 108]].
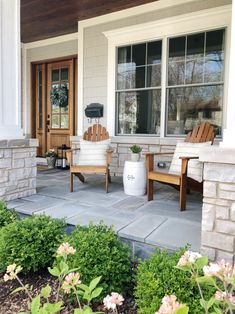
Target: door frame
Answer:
[[33, 93]]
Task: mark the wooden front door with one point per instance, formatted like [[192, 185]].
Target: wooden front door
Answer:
[[55, 95]]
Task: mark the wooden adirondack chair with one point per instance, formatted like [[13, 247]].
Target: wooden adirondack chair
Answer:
[[95, 133], [200, 134]]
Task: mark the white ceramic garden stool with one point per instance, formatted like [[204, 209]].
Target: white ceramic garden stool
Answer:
[[134, 178]]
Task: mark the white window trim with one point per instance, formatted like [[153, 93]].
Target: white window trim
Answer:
[[199, 21]]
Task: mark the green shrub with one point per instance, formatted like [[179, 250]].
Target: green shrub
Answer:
[[157, 277], [6, 215], [31, 242], [99, 252]]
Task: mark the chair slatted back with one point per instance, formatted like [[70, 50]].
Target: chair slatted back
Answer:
[[201, 133], [96, 133]]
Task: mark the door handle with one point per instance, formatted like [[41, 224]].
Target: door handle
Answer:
[[48, 122]]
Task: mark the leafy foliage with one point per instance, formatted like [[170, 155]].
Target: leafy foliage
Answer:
[[135, 149], [6, 215], [158, 276], [31, 242], [99, 252]]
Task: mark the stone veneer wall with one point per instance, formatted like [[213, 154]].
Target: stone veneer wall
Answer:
[[17, 168], [121, 152], [218, 214]]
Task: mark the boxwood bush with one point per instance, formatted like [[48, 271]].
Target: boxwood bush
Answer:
[[157, 277], [99, 252], [31, 242], [6, 215]]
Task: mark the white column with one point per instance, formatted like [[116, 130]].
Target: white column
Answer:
[[229, 132], [10, 72]]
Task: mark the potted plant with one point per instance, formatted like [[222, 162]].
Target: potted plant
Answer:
[[135, 152], [51, 158]]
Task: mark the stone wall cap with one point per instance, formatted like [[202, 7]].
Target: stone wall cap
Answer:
[[18, 143], [216, 154]]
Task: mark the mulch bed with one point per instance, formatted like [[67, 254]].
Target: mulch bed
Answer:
[[14, 303]]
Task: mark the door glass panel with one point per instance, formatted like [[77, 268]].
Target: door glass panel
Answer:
[[64, 121], [64, 74], [40, 99], [55, 75], [64, 97], [55, 124]]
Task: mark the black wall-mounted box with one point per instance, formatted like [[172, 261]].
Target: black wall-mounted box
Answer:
[[94, 110]]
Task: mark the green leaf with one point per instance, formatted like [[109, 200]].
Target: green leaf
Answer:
[[53, 308], [54, 271], [17, 290], [96, 293], [84, 287], [183, 310], [201, 262], [94, 283], [206, 280], [210, 303], [46, 291], [35, 305]]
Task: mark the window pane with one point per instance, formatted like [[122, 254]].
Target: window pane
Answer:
[[125, 76], [55, 98], [64, 121], [64, 97], [195, 46], [213, 70], [55, 124], [139, 54], [124, 55], [190, 106], [40, 118], [154, 75], [154, 52], [177, 48], [139, 112], [64, 74], [139, 77], [215, 43], [55, 75], [176, 72], [194, 71]]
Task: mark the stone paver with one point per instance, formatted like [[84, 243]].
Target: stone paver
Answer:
[[141, 228], [148, 224], [176, 233]]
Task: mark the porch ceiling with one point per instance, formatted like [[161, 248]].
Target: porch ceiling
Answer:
[[41, 19]]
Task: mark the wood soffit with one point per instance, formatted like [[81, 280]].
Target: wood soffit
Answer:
[[42, 19]]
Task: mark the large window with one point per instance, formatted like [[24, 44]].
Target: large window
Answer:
[[193, 86], [138, 88], [195, 81]]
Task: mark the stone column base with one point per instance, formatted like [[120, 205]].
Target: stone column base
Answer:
[[18, 168], [218, 212]]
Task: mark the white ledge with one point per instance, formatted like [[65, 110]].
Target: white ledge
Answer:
[[215, 154]]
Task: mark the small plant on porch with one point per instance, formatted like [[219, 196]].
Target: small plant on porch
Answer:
[[135, 152], [51, 156]]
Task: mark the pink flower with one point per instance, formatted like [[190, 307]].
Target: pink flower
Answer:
[[169, 305], [220, 270], [188, 257], [64, 249], [111, 302], [224, 296], [71, 280]]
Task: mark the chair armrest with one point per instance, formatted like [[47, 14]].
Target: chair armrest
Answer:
[[189, 157], [184, 166], [69, 155], [153, 154]]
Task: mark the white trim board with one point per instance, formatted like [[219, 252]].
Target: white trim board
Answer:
[[51, 41], [200, 21]]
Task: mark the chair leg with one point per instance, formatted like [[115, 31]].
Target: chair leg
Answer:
[[71, 182], [106, 181], [183, 192], [80, 177], [109, 176], [150, 189]]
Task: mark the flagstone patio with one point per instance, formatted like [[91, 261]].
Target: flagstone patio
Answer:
[[144, 224]]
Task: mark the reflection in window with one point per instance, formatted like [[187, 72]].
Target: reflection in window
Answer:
[[139, 112], [195, 81], [138, 94]]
